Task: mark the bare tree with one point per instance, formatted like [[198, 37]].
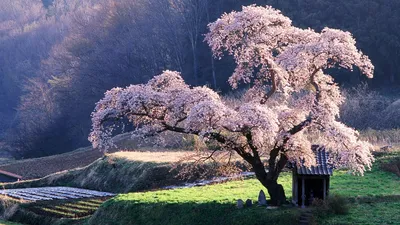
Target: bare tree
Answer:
[[193, 14]]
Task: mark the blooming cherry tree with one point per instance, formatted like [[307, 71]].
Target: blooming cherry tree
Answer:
[[292, 102]]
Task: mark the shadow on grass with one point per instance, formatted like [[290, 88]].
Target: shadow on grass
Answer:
[[127, 212], [366, 210], [375, 199]]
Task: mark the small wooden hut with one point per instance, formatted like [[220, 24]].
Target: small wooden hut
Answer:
[[311, 183]]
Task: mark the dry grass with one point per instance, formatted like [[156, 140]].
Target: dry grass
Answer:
[[389, 137], [158, 157]]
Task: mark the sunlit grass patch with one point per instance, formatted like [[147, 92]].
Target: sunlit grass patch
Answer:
[[213, 204], [375, 182], [151, 156], [222, 193]]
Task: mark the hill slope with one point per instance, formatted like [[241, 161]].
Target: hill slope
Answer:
[[40, 167], [118, 172], [374, 199], [213, 204]]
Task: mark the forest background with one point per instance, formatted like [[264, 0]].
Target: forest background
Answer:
[[58, 57]]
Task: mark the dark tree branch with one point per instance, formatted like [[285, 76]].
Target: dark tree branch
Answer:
[[270, 92]]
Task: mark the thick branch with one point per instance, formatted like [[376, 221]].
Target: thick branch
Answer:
[[218, 137], [270, 92], [280, 165], [299, 127], [315, 85], [272, 162], [249, 138]]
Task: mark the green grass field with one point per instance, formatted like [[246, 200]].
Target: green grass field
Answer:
[[375, 197], [214, 204], [373, 183], [375, 200], [378, 213]]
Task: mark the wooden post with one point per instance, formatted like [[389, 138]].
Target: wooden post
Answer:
[[324, 188], [303, 194]]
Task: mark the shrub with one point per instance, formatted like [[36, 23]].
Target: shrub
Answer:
[[391, 115], [335, 204], [385, 138], [392, 166], [320, 207], [363, 108], [338, 205]]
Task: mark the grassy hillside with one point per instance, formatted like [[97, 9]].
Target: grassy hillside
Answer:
[[377, 190], [118, 172], [40, 167], [214, 204], [374, 198]]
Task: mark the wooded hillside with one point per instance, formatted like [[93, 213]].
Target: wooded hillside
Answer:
[[58, 57]]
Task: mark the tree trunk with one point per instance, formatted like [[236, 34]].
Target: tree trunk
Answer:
[[195, 69], [214, 77], [212, 57], [277, 193], [269, 181]]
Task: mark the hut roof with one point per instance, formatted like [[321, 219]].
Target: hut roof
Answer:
[[322, 168]]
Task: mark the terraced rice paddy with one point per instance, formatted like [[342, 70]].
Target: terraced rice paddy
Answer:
[[52, 193], [73, 209], [59, 202]]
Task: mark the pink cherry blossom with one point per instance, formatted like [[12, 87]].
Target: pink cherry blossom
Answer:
[[291, 104]]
